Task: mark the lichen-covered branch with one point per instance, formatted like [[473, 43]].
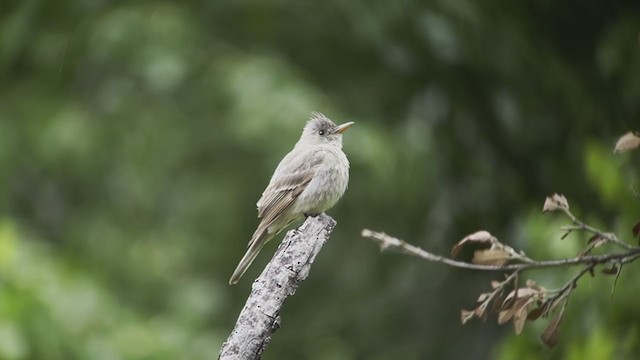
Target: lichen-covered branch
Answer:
[[289, 267]]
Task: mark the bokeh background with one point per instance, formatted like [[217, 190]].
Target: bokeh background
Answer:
[[136, 137]]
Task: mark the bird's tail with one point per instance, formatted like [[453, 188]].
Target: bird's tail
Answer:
[[259, 238]]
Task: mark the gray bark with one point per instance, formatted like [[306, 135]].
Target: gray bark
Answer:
[[290, 265]]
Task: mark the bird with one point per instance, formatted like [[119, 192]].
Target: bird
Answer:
[[308, 181]]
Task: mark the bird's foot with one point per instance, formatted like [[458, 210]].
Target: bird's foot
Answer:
[[311, 214]]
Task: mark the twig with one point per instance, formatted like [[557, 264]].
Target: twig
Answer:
[[502, 285], [579, 225], [387, 242], [564, 292], [288, 268]]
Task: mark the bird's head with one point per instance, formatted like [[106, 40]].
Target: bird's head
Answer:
[[320, 130]]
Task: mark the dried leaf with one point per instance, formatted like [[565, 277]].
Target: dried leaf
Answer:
[[480, 312], [496, 257], [495, 284], [481, 236], [555, 202], [507, 314], [550, 335], [593, 238], [521, 315], [549, 205], [628, 141], [611, 271], [562, 201], [532, 284], [466, 315], [594, 242], [523, 292], [483, 297], [535, 313], [636, 230], [497, 302]]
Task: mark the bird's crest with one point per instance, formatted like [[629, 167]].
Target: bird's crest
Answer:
[[320, 119]]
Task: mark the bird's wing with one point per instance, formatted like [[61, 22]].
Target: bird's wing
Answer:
[[289, 180]]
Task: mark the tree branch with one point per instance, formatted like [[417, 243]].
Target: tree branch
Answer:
[[387, 242], [288, 268], [581, 226], [532, 301]]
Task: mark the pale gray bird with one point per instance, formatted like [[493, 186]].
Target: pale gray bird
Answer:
[[309, 180]]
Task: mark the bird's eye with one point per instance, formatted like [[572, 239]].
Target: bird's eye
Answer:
[[321, 132]]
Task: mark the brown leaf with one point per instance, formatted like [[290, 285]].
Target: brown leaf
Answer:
[[555, 202], [535, 313], [593, 238], [497, 257], [628, 141], [466, 315], [495, 284], [636, 230], [521, 315], [506, 315], [611, 271], [532, 284], [549, 205], [481, 236], [550, 335], [480, 312], [562, 201], [594, 242], [483, 297], [523, 292], [497, 302]]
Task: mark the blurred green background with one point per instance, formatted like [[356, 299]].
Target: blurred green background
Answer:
[[136, 137]]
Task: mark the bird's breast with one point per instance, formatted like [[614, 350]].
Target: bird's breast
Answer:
[[328, 184]]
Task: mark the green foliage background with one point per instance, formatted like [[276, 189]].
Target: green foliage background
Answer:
[[135, 138]]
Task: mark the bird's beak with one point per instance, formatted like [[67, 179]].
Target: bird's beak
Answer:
[[342, 128]]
